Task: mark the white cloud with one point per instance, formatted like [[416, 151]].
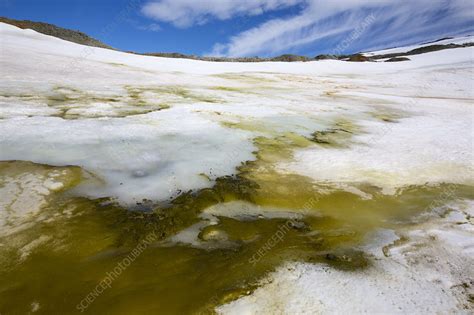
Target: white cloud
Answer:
[[320, 21], [185, 13], [395, 22]]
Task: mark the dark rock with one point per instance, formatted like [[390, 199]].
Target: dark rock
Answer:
[[347, 259], [290, 58], [326, 57], [358, 58], [438, 40], [331, 257], [396, 59], [422, 50], [431, 48]]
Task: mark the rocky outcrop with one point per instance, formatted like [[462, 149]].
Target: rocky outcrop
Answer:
[[396, 59], [59, 32], [284, 58], [290, 58], [422, 50], [326, 57], [358, 58]]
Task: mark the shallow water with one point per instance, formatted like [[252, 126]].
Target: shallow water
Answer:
[[63, 253], [55, 265]]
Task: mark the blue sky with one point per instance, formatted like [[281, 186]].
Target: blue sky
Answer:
[[252, 27]]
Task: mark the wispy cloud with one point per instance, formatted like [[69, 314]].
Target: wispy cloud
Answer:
[[185, 13], [153, 27], [319, 22]]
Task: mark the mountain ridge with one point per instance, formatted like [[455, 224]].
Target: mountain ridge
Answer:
[[74, 36], [79, 37]]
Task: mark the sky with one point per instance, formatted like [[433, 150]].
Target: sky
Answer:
[[253, 27]]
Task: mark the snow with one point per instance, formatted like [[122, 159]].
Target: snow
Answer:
[[455, 40], [23, 194], [149, 127], [155, 153], [418, 150], [137, 159], [429, 273]]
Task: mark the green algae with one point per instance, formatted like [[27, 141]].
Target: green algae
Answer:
[[181, 279], [20, 96], [247, 125], [252, 90], [338, 136], [172, 280], [117, 64], [72, 103], [249, 78], [172, 93], [228, 89], [388, 115], [66, 99]]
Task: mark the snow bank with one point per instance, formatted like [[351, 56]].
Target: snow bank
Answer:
[[431, 148], [457, 40], [425, 269], [151, 127]]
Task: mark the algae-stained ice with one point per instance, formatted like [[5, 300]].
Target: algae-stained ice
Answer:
[[211, 181]]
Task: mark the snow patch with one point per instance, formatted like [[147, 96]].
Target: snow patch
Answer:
[[429, 270]]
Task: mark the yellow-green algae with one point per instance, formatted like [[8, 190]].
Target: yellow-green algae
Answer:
[[250, 78], [180, 279], [228, 89], [65, 99], [387, 114], [337, 136], [171, 93], [73, 103]]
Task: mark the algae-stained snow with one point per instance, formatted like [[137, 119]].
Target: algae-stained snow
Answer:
[[372, 157]]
